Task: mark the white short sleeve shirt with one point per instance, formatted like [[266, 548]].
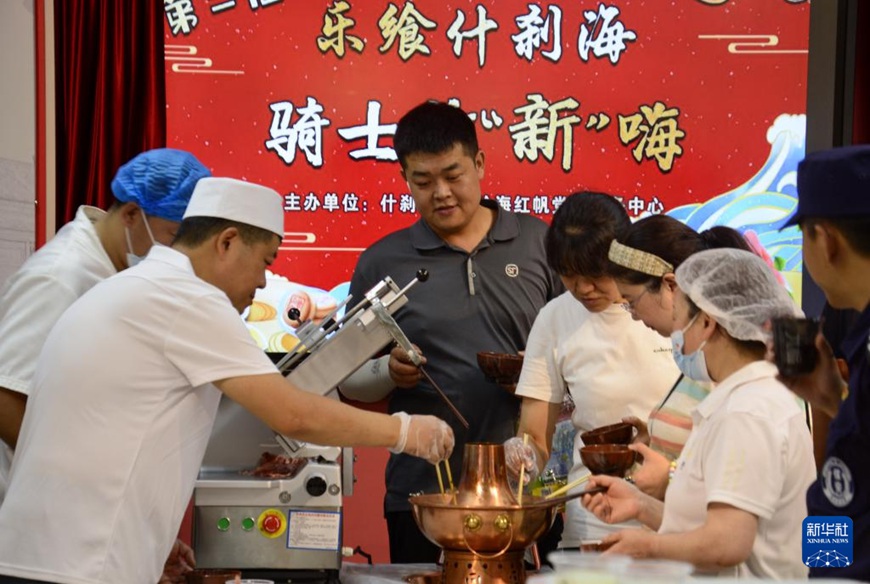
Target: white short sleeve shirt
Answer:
[[750, 448], [116, 426], [613, 367], [35, 296]]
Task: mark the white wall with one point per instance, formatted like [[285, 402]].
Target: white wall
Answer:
[[17, 134]]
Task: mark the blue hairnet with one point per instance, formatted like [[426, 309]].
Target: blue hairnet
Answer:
[[160, 181]]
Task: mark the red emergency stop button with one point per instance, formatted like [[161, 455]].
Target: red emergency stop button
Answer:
[[272, 523]]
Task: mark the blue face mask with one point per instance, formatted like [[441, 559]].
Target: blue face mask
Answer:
[[693, 366]]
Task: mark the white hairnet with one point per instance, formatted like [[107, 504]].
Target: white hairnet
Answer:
[[737, 288]]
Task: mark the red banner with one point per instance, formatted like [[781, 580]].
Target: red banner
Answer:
[[667, 104]]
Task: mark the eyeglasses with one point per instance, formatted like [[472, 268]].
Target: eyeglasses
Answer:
[[632, 306]]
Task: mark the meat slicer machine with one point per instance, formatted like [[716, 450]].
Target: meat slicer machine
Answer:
[[268, 527]]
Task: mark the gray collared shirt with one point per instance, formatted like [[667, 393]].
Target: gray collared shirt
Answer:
[[485, 300]]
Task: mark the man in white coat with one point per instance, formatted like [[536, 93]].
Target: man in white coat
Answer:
[[127, 389]]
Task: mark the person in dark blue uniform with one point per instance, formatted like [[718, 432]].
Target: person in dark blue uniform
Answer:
[[834, 215]]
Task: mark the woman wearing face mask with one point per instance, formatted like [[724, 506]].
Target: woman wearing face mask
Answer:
[[643, 261], [736, 501]]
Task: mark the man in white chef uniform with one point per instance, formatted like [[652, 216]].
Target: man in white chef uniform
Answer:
[[127, 389]]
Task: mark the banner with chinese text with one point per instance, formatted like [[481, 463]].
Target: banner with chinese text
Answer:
[[693, 108]]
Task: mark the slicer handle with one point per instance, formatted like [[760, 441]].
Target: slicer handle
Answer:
[[421, 276]]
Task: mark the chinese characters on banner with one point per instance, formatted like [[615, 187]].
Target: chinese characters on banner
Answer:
[[688, 107]]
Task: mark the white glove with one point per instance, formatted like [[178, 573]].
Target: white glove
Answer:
[[424, 436], [518, 455]]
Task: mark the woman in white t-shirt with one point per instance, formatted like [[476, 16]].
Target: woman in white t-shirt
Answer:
[[585, 343], [643, 260], [736, 501]]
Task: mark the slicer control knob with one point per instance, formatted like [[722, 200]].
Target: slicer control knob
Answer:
[[315, 485]]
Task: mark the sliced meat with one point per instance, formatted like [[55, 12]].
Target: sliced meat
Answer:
[[276, 466]]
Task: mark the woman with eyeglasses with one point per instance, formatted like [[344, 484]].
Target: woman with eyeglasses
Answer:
[[737, 498], [584, 343], [642, 263]]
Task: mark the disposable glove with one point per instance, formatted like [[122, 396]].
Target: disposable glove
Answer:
[[428, 437], [518, 455]]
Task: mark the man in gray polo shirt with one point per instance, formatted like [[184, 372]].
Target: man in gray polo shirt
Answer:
[[488, 277]]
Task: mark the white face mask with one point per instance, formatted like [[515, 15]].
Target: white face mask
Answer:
[[133, 259]]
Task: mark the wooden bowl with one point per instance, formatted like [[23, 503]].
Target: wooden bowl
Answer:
[[619, 433], [607, 459], [502, 368]]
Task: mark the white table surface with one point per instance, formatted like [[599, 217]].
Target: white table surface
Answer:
[[354, 573]]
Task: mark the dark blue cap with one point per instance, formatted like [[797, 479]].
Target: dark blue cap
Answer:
[[833, 184]]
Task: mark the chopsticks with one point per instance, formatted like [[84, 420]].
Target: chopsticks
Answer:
[[444, 398], [449, 478], [522, 473], [569, 486]]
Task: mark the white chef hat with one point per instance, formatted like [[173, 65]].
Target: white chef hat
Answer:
[[237, 200]]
